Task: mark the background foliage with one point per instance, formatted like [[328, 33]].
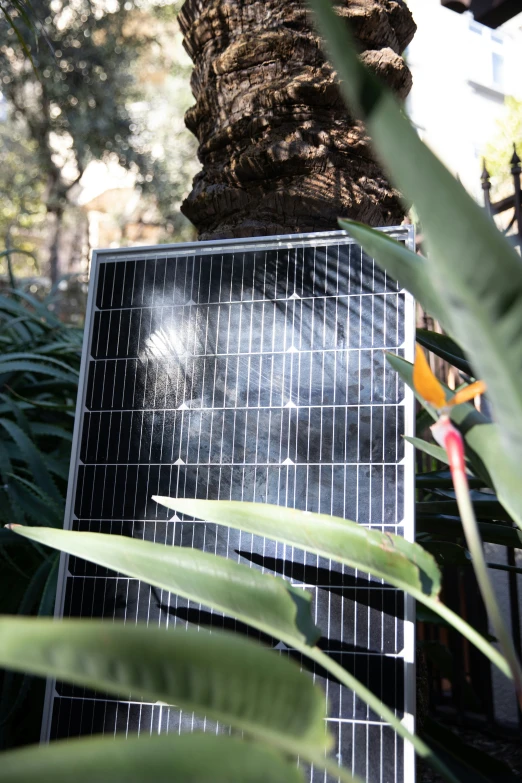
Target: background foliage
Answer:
[[39, 364], [500, 149], [104, 84]]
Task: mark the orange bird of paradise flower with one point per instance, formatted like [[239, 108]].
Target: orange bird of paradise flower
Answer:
[[432, 391]]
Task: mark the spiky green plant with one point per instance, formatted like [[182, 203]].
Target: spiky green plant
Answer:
[[39, 364]]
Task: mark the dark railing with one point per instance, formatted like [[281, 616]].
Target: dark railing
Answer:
[[511, 203], [461, 685]]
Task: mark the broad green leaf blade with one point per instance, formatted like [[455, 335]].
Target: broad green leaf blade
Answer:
[[42, 428], [189, 758], [217, 579], [8, 538], [45, 361], [437, 452], [13, 693], [268, 603], [31, 502], [34, 458], [7, 367], [222, 676], [446, 348], [423, 420], [410, 270], [399, 562], [389, 557], [483, 446], [476, 273]]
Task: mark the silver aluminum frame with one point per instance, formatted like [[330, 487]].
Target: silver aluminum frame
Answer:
[[405, 233]]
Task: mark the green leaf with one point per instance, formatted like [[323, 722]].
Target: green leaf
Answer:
[[28, 403], [437, 452], [12, 697], [397, 561], [42, 428], [386, 556], [7, 366], [222, 676], [6, 466], [475, 273], [58, 466], [48, 594], [423, 420], [43, 316], [483, 446], [268, 603], [451, 527], [34, 458], [61, 347], [446, 348], [425, 615], [409, 269], [31, 501], [8, 538], [44, 360], [262, 601], [189, 758], [441, 479]]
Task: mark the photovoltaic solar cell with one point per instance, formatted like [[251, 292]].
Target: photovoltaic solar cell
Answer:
[[247, 370]]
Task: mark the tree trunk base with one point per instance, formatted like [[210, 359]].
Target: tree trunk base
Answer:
[[280, 152]]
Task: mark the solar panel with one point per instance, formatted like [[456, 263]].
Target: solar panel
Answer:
[[247, 370]]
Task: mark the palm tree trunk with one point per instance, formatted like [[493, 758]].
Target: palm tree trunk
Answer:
[[280, 153]]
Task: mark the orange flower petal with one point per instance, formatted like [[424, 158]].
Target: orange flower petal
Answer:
[[425, 382], [468, 393]]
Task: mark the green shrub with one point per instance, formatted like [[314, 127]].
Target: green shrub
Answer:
[[39, 364]]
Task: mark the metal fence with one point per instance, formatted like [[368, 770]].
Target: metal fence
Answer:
[[511, 205]]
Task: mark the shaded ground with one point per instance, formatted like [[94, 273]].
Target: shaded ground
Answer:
[[508, 750]]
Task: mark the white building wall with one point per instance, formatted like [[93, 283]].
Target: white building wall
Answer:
[[462, 72]]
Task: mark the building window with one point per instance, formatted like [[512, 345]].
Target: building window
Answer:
[[497, 62], [486, 56]]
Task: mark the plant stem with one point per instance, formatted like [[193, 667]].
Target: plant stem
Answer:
[[453, 443]]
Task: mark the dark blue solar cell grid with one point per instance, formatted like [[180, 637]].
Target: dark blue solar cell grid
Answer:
[[254, 375]]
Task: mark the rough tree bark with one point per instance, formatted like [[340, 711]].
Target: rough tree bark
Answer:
[[280, 152]]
